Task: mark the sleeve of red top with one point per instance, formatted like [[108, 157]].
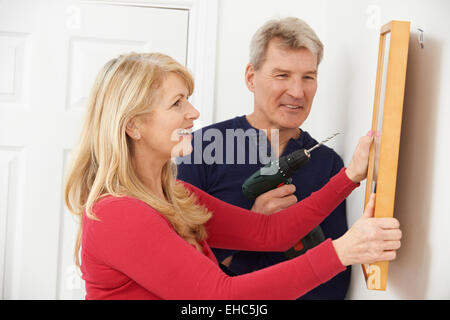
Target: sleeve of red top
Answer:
[[232, 227], [136, 240]]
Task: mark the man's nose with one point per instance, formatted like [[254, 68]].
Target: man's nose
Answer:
[[296, 89]]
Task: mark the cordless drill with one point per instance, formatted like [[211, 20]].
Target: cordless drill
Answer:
[[278, 173]]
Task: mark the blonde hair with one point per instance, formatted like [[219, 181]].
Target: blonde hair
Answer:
[[125, 88], [293, 33]]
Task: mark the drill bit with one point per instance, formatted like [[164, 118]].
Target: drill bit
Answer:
[[321, 143]]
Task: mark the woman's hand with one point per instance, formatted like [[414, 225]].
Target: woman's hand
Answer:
[[357, 169], [369, 239]]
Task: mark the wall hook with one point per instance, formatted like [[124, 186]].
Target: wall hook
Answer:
[[420, 39]]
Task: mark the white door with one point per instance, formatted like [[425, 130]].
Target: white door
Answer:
[[50, 52]]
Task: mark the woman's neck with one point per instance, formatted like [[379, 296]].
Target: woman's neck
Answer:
[[149, 171]]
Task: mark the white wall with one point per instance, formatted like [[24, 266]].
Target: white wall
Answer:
[[344, 102]]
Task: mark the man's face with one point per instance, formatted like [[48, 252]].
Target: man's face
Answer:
[[283, 87]]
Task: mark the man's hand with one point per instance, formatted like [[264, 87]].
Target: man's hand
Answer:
[[275, 200], [369, 239]]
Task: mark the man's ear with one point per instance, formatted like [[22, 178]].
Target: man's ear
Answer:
[[250, 77], [132, 130]]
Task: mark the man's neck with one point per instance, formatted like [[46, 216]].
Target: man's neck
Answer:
[[284, 135]]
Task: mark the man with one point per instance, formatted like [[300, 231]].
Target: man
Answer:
[[282, 75]]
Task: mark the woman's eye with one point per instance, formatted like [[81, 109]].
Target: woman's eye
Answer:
[[283, 75], [178, 103]]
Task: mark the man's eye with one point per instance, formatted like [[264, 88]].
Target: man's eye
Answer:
[[309, 78], [282, 75]]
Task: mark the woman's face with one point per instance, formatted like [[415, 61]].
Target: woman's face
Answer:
[[166, 132]]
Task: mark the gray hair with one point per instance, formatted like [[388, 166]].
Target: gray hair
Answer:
[[293, 33]]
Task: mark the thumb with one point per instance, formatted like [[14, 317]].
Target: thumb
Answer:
[[370, 208], [365, 142]]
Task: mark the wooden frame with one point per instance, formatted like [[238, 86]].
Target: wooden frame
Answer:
[[386, 123]]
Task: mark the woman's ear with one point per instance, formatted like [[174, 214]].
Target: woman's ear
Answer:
[[132, 130]]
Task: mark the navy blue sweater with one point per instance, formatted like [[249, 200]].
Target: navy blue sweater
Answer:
[[219, 165]]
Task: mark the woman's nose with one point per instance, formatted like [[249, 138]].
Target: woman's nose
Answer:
[[192, 112]]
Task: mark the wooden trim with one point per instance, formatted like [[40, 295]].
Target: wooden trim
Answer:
[[386, 28], [376, 273]]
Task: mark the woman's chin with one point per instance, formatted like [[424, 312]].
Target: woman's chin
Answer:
[[182, 148], [181, 152], [186, 151]]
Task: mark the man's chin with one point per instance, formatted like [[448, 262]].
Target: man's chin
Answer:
[[292, 120], [290, 124]]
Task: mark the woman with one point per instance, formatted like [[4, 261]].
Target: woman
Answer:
[[145, 235]]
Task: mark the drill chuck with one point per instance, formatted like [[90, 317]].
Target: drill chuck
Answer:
[[295, 160]]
